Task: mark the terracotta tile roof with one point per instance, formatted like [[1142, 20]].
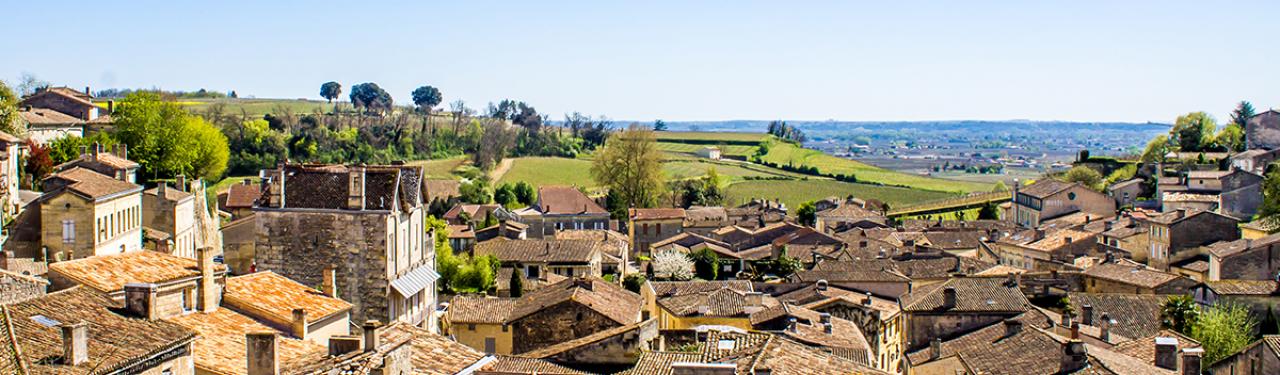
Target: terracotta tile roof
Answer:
[[90, 184], [45, 116], [1244, 287], [1054, 240], [441, 189], [659, 363], [612, 301], [461, 231], [328, 186], [10, 278], [221, 347], [1046, 187], [109, 273], [545, 250], [503, 280], [612, 243], [957, 239], [1138, 275], [480, 309], [518, 365], [723, 302], [781, 356], [677, 288], [812, 297], [1224, 249], [171, 194], [849, 211], [11, 361], [553, 350], [972, 294], [719, 345], [276, 297], [566, 200], [115, 341], [809, 329], [1136, 315], [477, 212], [655, 213], [106, 159], [1144, 349], [1189, 197], [874, 270], [697, 214], [243, 195], [432, 354]]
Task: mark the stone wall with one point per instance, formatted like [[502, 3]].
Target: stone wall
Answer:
[[624, 348], [299, 244], [924, 327], [1256, 359], [17, 288], [1258, 263], [556, 324]]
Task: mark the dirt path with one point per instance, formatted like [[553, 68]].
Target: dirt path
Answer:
[[500, 170]]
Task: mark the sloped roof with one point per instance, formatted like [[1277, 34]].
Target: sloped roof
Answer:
[[1136, 315], [243, 195], [93, 185], [104, 158], [1244, 287], [221, 346], [45, 116], [612, 301], [109, 273], [972, 295], [544, 250], [1138, 275], [504, 364], [723, 302], [655, 213], [1046, 187], [583, 341], [1144, 349], [480, 309], [170, 193], [277, 296], [676, 288], [566, 200]]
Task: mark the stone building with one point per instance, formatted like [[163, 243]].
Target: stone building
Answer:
[[84, 213], [171, 211], [1262, 131], [1126, 192], [878, 318], [65, 100], [562, 207], [849, 215], [568, 258], [114, 164], [615, 248], [1177, 235], [238, 200], [74, 331], [46, 125], [1125, 276], [957, 306], [288, 306], [1261, 297], [15, 287], [173, 285], [10, 168], [1260, 357], [1247, 259], [1042, 250], [365, 221], [1048, 199], [646, 226]]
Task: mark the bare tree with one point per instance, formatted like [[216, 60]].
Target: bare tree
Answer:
[[496, 140]]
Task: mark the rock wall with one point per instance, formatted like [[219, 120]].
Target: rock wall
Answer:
[[556, 324]]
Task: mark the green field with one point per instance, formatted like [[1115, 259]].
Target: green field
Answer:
[[541, 171], [692, 149], [788, 154], [795, 192], [689, 168], [441, 168], [703, 137]]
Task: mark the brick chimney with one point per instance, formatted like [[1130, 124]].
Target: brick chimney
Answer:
[[1074, 357], [1086, 314], [261, 349], [329, 286], [209, 293], [1191, 361], [1167, 353], [298, 325], [355, 188], [949, 297], [343, 344], [370, 331], [140, 300], [75, 343]]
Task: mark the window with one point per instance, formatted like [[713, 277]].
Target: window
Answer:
[[659, 230], [532, 272], [644, 229], [490, 345], [68, 231], [505, 327], [471, 327]]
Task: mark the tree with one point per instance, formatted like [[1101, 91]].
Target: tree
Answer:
[[330, 90], [1157, 149], [8, 110], [38, 163], [1240, 116], [1269, 211], [633, 282], [988, 212], [1000, 187], [1193, 131], [1085, 176], [525, 194], [705, 264], [672, 265], [517, 284], [370, 97], [807, 214], [211, 150], [1223, 329], [427, 97], [785, 265], [475, 192], [1178, 313], [659, 125], [28, 84], [166, 140], [505, 195], [1231, 137], [630, 165]]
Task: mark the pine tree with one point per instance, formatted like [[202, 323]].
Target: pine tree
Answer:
[[517, 284]]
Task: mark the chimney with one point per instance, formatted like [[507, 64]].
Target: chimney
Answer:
[[160, 189], [330, 284], [97, 148], [124, 151], [755, 299], [1086, 314], [828, 328], [1105, 327], [867, 302], [582, 282], [1106, 226], [84, 151], [949, 297], [824, 318], [371, 339], [140, 300], [1191, 361], [299, 323], [821, 285], [261, 349], [343, 344], [75, 343], [1167, 353], [1075, 330], [355, 188], [935, 348], [181, 182], [209, 294], [111, 106], [4, 259], [1012, 327], [1074, 357]]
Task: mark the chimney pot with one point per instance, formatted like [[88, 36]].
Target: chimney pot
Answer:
[[75, 343], [791, 324], [821, 285], [828, 328], [867, 301], [1012, 327], [261, 349], [935, 348], [824, 318], [1086, 314]]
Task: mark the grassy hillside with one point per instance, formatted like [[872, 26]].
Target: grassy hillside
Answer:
[[789, 154], [692, 149], [441, 168], [689, 168], [795, 192], [541, 171]]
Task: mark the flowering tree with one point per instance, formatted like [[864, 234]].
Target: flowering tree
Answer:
[[672, 265]]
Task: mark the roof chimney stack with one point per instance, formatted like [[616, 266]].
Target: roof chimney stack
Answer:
[[821, 285], [1167, 353], [1074, 357], [261, 347], [330, 284], [299, 323], [1191, 361], [208, 286], [371, 339], [935, 348], [949, 297], [75, 343], [343, 344], [1086, 314], [140, 300], [1012, 327]]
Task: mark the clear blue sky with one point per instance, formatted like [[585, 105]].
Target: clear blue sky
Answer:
[[684, 60]]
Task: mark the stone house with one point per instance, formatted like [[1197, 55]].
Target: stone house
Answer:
[[1175, 236], [618, 346], [45, 125], [16, 287], [83, 213], [819, 330], [1261, 297], [1042, 250], [171, 211], [1262, 131], [1125, 276], [1125, 236], [79, 329], [366, 221], [1260, 357], [849, 215], [615, 248], [564, 311], [238, 245], [1233, 192], [562, 207], [1048, 199], [239, 199], [10, 175], [470, 214], [509, 229], [114, 164], [703, 220], [709, 152], [65, 100], [568, 258], [462, 239], [174, 285], [1254, 161], [287, 306], [879, 318], [1131, 316], [1256, 259], [756, 213], [1126, 192], [959, 305], [646, 226], [689, 307]]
